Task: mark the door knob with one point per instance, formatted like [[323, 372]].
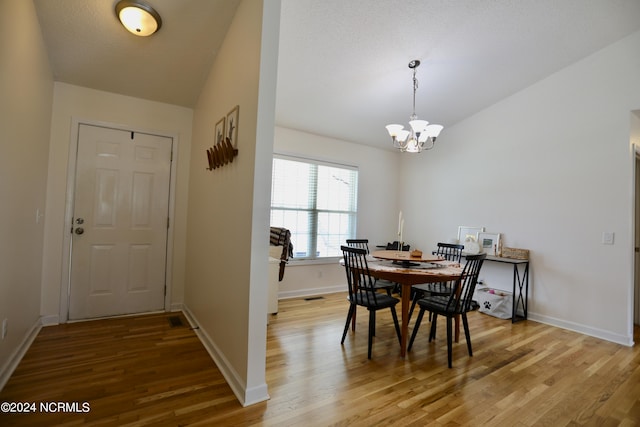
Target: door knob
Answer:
[[79, 230]]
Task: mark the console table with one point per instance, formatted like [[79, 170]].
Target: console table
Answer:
[[520, 281]]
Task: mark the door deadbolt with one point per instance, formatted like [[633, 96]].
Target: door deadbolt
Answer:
[[79, 230], [79, 221]]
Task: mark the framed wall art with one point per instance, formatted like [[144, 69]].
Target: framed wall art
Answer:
[[468, 233], [489, 242], [219, 132], [233, 118]]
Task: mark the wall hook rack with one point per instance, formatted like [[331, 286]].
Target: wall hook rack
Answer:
[[221, 154]]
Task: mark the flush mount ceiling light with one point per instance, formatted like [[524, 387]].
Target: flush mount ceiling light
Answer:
[[138, 18], [422, 135]]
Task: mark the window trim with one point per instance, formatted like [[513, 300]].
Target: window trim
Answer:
[[317, 161], [313, 233]]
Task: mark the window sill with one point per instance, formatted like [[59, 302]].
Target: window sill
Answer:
[[319, 261]]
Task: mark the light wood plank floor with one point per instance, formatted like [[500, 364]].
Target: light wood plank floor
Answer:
[[141, 371]]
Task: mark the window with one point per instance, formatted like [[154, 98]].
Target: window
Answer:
[[317, 202]]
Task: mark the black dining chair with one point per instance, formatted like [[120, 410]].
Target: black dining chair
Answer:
[[450, 252], [384, 285], [363, 293], [393, 246], [457, 303]]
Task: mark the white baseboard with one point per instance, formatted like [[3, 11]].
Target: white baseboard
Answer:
[[299, 293], [583, 329], [50, 320], [244, 395], [255, 395], [18, 354]]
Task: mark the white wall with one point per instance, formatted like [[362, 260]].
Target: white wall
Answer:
[[74, 102], [378, 182], [26, 91], [226, 276], [551, 168]]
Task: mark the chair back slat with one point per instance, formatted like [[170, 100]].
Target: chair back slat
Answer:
[[359, 281], [465, 285], [359, 243], [449, 251]]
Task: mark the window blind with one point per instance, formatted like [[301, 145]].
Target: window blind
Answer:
[[317, 202]]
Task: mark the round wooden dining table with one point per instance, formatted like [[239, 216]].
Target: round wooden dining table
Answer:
[[408, 271], [405, 256]]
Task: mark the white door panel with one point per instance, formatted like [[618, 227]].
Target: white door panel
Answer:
[[121, 200]]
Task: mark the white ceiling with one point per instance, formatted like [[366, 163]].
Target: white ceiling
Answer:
[[342, 69], [89, 47]]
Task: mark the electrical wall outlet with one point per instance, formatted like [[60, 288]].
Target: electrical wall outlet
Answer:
[[607, 237], [4, 328]]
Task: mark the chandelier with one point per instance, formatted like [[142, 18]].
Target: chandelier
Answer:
[[422, 135]]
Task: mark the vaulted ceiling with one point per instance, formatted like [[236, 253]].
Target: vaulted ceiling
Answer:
[[342, 68]]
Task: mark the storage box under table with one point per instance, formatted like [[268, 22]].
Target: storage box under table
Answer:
[[495, 302]]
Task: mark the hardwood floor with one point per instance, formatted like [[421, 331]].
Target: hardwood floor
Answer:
[[142, 371]]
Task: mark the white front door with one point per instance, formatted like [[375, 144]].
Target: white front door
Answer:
[[120, 220]]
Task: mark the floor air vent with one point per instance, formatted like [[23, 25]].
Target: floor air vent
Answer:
[[175, 321], [313, 298]]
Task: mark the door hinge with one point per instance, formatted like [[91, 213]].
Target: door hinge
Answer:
[[168, 219]]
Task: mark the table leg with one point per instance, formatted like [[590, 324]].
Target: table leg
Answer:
[[520, 300], [405, 301]]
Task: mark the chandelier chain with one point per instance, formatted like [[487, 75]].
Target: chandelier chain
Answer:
[[415, 88]]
